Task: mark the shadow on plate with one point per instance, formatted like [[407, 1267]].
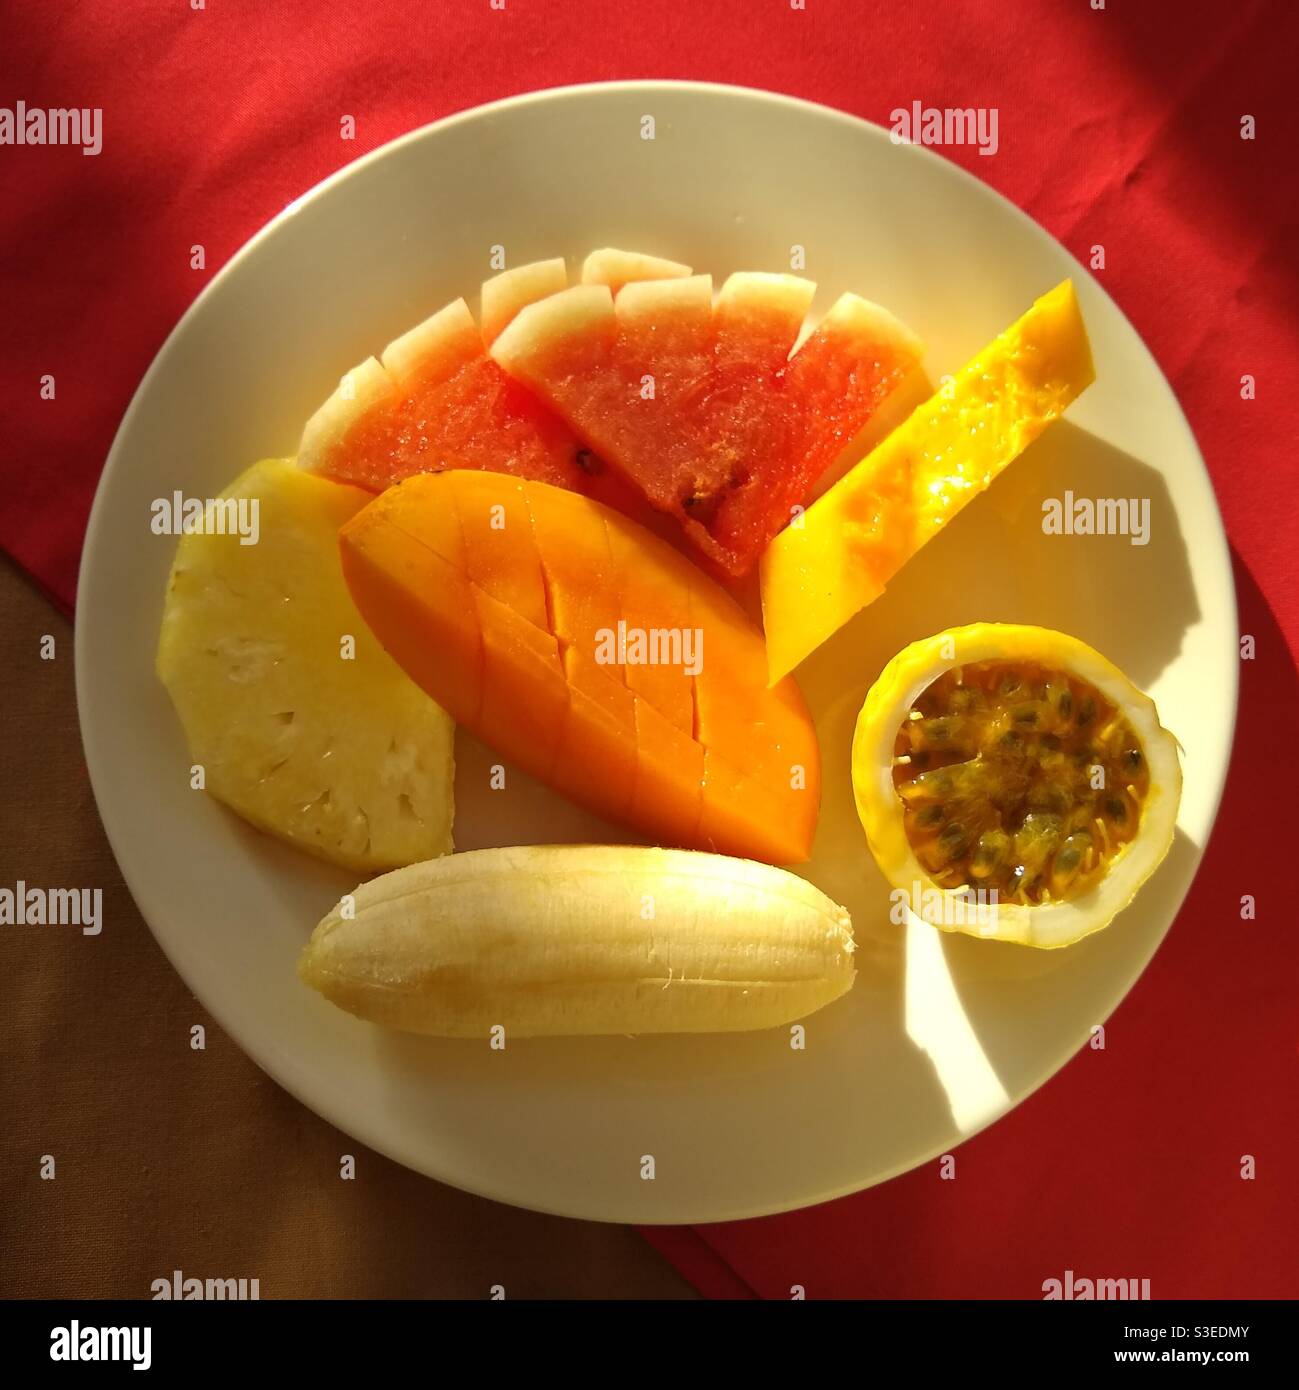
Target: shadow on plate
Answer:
[[984, 1013]]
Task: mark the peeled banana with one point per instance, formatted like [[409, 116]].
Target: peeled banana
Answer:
[[582, 939]]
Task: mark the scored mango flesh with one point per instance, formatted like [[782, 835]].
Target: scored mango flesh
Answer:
[[505, 596], [1020, 778]]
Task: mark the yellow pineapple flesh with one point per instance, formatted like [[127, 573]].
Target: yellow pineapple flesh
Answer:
[[301, 722]]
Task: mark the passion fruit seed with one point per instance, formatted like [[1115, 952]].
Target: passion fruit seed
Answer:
[[1003, 757], [966, 698], [1071, 860], [949, 734], [989, 853]]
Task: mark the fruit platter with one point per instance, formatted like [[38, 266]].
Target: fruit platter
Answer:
[[630, 716]]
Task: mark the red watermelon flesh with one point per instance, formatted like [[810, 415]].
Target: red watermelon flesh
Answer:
[[701, 406], [471, 416], [436, 400]]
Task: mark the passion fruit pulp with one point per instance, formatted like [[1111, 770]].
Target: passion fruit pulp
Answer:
[[1015, 765], [1018, 777]]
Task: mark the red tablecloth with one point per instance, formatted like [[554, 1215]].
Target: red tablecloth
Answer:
[[1119, 126]]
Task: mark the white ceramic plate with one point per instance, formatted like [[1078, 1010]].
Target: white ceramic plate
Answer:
[[942, 1033]]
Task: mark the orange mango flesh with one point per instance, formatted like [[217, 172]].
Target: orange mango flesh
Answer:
[[668, 794], [519, 656], [500, 557], [584, 586], [697, 753], [660, 686], [737, 808], [440, 649], [594, 735]]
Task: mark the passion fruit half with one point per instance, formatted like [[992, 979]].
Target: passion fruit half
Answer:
[[1016, 769]]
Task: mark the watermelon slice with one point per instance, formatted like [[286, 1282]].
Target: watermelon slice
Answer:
[[435, 399], [615, 268], [707, 408]]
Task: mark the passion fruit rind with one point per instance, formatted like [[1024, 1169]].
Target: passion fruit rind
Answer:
[[1043, 924]]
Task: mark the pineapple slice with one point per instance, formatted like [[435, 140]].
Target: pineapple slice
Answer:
[[335, 750]]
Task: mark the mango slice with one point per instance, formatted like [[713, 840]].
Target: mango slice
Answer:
[[524, 605], [838, 556]]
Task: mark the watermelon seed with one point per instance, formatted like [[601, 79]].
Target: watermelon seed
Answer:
[[701, 507]]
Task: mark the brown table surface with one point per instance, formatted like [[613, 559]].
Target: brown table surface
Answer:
[[166, 1158]]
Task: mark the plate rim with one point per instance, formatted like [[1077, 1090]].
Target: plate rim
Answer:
[[332, 1110]]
